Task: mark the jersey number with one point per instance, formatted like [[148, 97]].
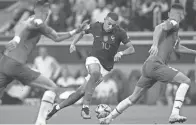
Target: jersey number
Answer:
[[105, 46]]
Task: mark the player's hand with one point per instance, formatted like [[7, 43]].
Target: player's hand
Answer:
[[72, 48], [11, 45], [153, 50], [118, 56], [82, 26]]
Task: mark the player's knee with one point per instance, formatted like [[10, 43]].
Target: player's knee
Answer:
[[49, 96], [181, 78], [53, 88], [187, 81]]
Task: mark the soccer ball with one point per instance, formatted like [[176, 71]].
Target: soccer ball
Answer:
[[102, 110]]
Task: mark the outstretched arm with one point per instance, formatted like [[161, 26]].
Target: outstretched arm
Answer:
[[182, 49], [158, 33], [75, 41], [129, 50], [87, 29], [57, 37]]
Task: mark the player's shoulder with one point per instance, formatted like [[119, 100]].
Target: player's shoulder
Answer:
[[120, 30], [170, 21], [170, 24], [34, 22], [97, 24]]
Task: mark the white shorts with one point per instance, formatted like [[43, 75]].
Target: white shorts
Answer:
[[92, 60]]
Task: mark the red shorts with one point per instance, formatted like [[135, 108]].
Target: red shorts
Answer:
[[153, 70], [10, 69]]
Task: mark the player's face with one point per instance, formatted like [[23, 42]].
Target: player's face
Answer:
[[177, 14], [109, 24]]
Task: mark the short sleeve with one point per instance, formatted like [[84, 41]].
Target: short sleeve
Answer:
[[124, 37]]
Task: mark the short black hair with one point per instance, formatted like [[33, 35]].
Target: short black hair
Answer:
[[113, 16], [177, 6]]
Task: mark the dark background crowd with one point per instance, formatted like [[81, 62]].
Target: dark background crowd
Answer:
[[135, 15]]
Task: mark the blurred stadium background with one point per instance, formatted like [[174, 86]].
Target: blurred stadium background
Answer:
[[138, 17]]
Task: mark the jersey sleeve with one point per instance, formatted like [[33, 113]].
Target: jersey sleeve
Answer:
[[124, 37], [89, 29], [170, 24], [48, 32]]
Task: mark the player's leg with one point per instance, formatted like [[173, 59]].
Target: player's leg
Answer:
[[167, 74], [142, 86], [4, 78], [4, 81], [168, 94], [95, 75], [47, 99], [94, 70], [73, 98], [184, 82], [30, 77]]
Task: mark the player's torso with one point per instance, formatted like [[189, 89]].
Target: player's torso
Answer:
[[166, 44], [105, 44], [29, 39]]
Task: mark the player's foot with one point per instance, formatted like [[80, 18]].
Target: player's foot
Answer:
[[40, 123], [106, 120], [177, 118], [52, 112], [85, 113]]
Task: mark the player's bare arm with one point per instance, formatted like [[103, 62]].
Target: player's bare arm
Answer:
[[128, 51], [17, 37], [158, 32], [58, 37], [182, 49], [86, 30], [156, 37], [75, 41]]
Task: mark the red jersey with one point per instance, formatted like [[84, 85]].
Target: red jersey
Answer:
[[106, 44], [168, 40], [31, 33]]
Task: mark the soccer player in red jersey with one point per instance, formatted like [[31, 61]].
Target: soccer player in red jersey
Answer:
[[155, 68], [107, 39], [14, 58]]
